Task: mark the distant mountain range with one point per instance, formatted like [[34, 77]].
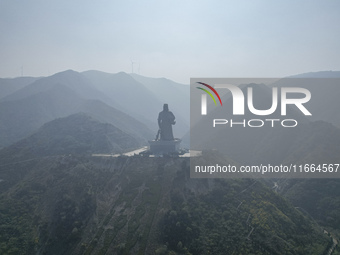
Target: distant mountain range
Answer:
[[9, 86], [119, 99]]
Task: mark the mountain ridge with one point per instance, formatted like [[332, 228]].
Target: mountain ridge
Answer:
[[77, 133], [58, 101]]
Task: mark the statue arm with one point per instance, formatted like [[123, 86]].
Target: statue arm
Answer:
[[173, 118]]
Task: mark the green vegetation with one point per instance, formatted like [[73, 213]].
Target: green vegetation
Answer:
[[230, 218], [317, 198], [133, 205]]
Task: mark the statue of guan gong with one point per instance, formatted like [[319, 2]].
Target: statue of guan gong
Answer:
[[165, 121], [165, 143]]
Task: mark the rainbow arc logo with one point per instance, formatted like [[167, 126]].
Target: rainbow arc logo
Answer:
[[209, 93]]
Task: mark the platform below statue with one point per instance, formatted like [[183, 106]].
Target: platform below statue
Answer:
[[163, 147]]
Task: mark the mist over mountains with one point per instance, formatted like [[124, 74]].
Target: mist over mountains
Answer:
[[8, 86], [110, 98], [56, 198], [75, 134]]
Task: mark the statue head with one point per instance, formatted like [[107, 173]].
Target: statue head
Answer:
[[165, 107]]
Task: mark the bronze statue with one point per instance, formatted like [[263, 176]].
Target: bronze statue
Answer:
[[165, 121]]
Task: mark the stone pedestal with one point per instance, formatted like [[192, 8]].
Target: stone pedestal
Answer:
[[163, 147]]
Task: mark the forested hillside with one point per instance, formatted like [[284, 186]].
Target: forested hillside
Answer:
[[134, 205]]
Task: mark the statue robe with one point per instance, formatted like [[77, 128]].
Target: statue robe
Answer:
[[165, 121]]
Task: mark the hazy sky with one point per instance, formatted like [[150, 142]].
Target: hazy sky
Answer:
[[172, 39]]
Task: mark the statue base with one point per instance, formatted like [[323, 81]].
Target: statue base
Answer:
[[164, 147]]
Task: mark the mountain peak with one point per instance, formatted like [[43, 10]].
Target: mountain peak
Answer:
[[124, 76], [78, 133], [66, 73]]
